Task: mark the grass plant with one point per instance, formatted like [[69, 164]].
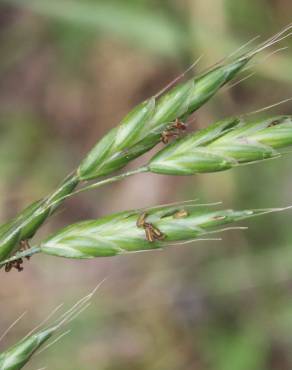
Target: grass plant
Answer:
[[155, 120]]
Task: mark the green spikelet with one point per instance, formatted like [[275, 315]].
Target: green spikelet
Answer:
[[19, 355], [224, 145], [24, 226], [123, 233], [141, 129]]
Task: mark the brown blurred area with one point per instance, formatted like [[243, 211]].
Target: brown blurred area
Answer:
[[70, 71]]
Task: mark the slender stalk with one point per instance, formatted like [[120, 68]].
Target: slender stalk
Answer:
[[99, 184], [27, 253], [107, 181]]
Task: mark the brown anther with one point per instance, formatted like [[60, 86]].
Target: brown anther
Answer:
[[14, 264], [24, 245], [149, 233], [8, 266], [178, 124], [152, 232], [165, 136], [141, 220], [181, 214], [274, 123], [173, 131], [157, 233], [218, 218], [17, 264]]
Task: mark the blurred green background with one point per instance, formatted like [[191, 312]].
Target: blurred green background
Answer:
[[69, 71]]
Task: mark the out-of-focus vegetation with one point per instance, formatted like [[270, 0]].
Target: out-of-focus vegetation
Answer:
[[69, 71]]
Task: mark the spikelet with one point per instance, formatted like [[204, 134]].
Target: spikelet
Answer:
[[224, 145], [24, 226], [141, 230], [141, 129], [17, 356]]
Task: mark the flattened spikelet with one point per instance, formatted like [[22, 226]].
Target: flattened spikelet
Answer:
[[123, 232], [17, 356], [224, 145]]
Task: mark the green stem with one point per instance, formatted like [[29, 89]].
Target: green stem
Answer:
[[98, 184], [27, 253], [112, 179]]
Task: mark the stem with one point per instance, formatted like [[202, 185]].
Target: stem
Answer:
[[27, 253], [112, 179], [98, 184]]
